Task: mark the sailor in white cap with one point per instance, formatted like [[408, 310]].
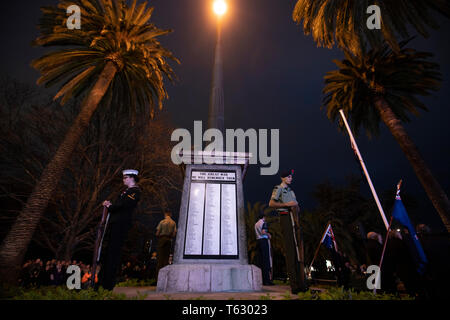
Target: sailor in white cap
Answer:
[[121, 213]]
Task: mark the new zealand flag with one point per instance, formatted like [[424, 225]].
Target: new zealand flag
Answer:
[[328, 239], [399, 214]]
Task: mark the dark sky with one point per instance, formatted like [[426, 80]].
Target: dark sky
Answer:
[[273, 79]]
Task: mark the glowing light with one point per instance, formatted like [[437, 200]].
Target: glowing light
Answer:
[[220, 7], [330, 267]]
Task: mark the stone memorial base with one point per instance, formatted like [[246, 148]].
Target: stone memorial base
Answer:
[[209, 278]]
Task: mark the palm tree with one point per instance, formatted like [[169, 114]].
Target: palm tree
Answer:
[[114, 55], [382, 85], [345, 21]]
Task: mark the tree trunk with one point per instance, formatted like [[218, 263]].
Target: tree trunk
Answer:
[[15, 244], [429, 183], [68, 250]]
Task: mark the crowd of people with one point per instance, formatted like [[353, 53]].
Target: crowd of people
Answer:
[[400, 267], [34, 273], [403, 267], [37, 272]]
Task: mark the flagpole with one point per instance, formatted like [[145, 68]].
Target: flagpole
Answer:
[[384, 250], [318, 247], [355, 148], [385, 242], [387, 233]]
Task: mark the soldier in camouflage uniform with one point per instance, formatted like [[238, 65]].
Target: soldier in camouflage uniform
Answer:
[[284, 201]]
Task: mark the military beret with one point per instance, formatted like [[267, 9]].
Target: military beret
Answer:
[[286, 173]]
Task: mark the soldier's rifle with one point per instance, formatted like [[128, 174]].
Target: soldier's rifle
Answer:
[[101, 230], [294, 212]]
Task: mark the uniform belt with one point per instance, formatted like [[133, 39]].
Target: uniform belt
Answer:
[[284, 212]]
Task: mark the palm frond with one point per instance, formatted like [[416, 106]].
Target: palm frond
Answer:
[[398, 77], [110, 31], [343, 22]]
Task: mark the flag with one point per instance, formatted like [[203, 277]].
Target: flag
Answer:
[[401, 216], [328, 239]]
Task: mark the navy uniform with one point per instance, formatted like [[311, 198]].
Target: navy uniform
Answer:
[[120, 220], [292, 244]]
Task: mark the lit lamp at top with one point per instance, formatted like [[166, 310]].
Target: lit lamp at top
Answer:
[[220, 7]]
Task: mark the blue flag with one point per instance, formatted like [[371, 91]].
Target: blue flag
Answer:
[[400, 215], [328, 239]]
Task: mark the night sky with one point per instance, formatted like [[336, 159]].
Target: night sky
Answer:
[[273, 79]]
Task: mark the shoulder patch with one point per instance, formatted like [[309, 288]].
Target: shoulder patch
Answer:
[[276, 193]]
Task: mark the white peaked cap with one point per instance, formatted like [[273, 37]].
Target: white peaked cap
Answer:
[[130, 171]]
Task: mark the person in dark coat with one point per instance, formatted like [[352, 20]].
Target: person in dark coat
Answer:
[[374, 248], [35, 273], [437, 247], [342, 269], [121, 213], [127, 270], [398, 263], [59, 274], [152, 265], [46, 274], [25, 274]]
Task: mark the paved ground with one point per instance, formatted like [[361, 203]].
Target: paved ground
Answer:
[[277, 292]]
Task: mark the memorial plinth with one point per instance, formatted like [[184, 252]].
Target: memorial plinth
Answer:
[[211, 248]]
